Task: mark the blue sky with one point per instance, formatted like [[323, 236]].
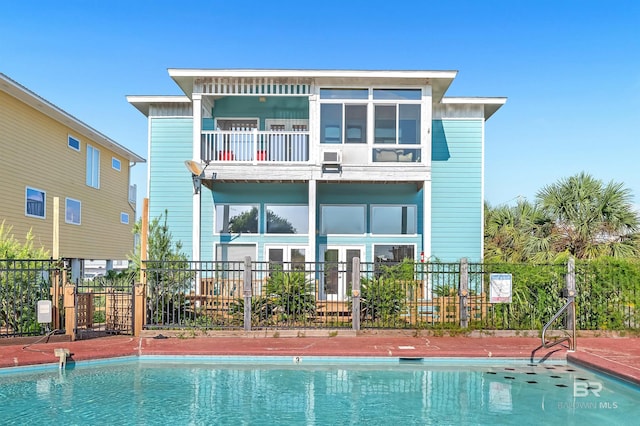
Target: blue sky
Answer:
[[570, 69]]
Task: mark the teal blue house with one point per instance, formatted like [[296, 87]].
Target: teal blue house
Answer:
[[319, 165]]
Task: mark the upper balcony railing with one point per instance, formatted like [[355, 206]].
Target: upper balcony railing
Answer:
[[255, 145]]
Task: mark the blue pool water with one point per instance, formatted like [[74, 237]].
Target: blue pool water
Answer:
[[180, 391]]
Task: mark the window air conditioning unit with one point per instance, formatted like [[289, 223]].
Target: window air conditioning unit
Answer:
[[332, 157]]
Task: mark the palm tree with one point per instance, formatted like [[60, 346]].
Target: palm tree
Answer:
[[518, 233], [591, 219]]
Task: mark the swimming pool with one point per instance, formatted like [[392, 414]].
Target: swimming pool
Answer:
[[280, 390]]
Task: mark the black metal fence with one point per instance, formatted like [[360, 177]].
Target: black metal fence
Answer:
[[24, 282], [262, 295]]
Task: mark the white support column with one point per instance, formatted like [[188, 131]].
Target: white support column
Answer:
[[196, 202], [426, 128], [426, 219], [314, 124], [312, 220]]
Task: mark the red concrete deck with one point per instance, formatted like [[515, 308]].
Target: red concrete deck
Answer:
[[616, 356]]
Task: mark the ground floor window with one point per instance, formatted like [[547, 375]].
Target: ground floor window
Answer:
[[73, 209], [393, 253]]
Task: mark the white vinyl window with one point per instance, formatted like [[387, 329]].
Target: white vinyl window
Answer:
[[72, 211], [35, 203], [124, 218], [93, 167], [73, 143], [115, 163]]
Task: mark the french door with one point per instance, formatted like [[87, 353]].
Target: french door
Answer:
[[338, 268]]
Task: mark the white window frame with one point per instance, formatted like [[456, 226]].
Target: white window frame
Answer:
[[44, 202], [93, 167], [66, 208], [124, 215], [69, 139], [115, 161], [364, 210], [415, 224], [371, 103]]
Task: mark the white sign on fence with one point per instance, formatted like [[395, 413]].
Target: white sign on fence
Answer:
[[500, 288]]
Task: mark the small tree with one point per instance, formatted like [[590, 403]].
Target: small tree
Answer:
[[168, 269], [25, 285]]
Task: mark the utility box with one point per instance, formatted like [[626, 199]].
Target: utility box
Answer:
[[44, 312]]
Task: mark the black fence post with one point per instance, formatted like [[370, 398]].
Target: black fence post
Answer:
[[247, 293], [463, 292]]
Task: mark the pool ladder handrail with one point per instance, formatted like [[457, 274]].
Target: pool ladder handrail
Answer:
[[570, 338]]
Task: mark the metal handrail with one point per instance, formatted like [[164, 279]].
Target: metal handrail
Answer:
[[572, 338]]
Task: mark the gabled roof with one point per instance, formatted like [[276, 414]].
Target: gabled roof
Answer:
[[30, 98]]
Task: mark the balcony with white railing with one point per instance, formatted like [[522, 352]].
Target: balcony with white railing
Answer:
[[255, 146]]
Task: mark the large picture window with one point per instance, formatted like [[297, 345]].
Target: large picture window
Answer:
[[287, 219], [393, 220], [35, 203], [342, 219], [236, 219]]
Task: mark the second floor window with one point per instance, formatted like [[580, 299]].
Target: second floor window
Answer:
[[73, 143], [93, 167]]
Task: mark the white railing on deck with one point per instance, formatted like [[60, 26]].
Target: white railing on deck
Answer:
[[255, 145]]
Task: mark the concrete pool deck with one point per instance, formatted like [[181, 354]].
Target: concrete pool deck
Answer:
[[617, 356]]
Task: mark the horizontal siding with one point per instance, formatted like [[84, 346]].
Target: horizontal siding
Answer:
[[170, 185], [456, 192], [35, 153]]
